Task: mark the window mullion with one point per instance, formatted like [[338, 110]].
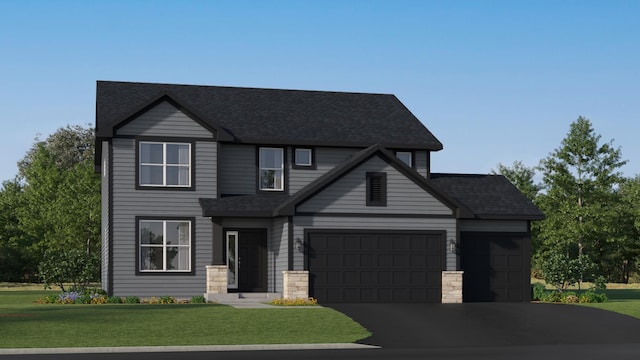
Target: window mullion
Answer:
[[164, 164], [164, 246]]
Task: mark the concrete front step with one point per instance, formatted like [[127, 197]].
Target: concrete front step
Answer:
[[241, 297]]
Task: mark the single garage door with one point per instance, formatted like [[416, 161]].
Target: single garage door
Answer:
[[375, 266], [496, 267]]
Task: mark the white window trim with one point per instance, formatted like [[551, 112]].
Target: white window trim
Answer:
[[233, 285], [163, 246], [260, 169], [295, 155], [164, 164]]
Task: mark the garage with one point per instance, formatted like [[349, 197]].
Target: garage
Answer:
[[496, 266], [375, 266]]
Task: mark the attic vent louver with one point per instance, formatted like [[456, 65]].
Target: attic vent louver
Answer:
[[376, 189]]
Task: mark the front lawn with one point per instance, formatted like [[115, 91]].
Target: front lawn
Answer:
[[24, 324], [623, 300]]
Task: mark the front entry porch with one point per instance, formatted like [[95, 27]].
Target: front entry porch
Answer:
[[296, 285]]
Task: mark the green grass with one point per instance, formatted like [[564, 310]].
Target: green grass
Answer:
[[623, 301], [24, 324], [623, 298]]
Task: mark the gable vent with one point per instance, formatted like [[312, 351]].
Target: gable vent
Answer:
[[376, 189]]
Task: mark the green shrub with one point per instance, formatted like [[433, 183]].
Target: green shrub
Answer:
[[538, 292], [114, 300], [73, 266], [198, 299], [553, 296], [167, 300], [599, 283], [47, 299], [593, 297], [295, 302], [569, 298], [83, 299], [132, 300]]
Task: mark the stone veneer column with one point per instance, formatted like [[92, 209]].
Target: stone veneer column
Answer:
[[295, 284], [452, 287], [216, 279]]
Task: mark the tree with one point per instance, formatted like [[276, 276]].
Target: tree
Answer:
[[579, 197], [622, 250], [54, 203], [62, 193], [522, 177], [17, 263]]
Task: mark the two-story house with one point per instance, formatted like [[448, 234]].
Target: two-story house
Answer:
[[226, 190]]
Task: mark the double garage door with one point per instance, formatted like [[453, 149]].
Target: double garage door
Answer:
[[375, 266]]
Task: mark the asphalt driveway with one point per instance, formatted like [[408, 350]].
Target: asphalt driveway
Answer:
[[490, 325]]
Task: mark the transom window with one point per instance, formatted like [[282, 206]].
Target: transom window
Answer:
[[405, 156], [271, 169], [165, 164], [165, 245]]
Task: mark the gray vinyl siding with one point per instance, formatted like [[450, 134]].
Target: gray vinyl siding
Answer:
[[104, 205], [278, 248], [325, 159], [237, 169], [348, 194], [374, 223], [494, 225], [421, 162], [164, 120], [128, 203]]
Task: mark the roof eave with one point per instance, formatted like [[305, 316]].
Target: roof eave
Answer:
[[509, 217]]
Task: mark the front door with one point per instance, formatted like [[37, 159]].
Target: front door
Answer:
[[248, 270]]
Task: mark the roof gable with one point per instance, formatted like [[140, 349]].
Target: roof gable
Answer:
[[164, 119], [348, 194], [117, 117], [289, 207]]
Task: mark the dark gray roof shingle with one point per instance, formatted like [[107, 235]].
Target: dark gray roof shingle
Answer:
[[273, 116], [487, 196]]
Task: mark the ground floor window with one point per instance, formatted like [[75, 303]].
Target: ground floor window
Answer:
[[164, 245]]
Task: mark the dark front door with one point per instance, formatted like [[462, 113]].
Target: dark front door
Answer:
[[252, 260]]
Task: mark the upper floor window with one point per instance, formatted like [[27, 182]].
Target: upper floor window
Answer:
[[165, 164], [406, 157], [164, 245], [271, 170], [303, 158]]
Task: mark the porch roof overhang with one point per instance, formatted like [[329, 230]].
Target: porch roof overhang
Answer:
[[258, 205]]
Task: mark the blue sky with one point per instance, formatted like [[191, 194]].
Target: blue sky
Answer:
[[495, 81]]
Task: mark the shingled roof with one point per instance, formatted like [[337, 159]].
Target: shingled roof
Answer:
[[487, 196], [273, 116]]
